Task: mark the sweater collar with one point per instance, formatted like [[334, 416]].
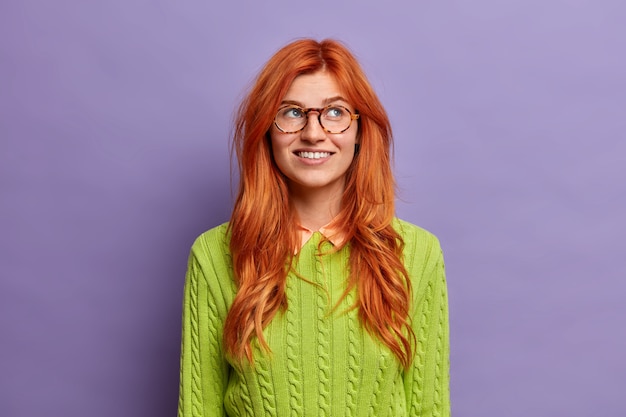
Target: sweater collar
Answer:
[[329, 231]]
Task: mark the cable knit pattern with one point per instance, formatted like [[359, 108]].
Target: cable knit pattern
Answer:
[[353, 365], [267, 392], [195, 350], [378, 387], [244, 394], [322, 362], [323, 348], [213, 333], [440, 350], [293, 364], [418, 374]]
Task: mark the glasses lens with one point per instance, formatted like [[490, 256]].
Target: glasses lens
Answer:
[[336, 119], [290, 119]]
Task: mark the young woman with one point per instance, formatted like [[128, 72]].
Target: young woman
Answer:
[[314, 300]]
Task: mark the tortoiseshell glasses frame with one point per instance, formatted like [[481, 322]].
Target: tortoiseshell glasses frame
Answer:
[[330, 123]]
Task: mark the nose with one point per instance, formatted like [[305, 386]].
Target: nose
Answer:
[[313, 131]]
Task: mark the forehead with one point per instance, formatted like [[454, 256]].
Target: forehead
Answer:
[[313, 88]]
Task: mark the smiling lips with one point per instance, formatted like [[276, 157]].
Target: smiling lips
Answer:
[[313, 155]]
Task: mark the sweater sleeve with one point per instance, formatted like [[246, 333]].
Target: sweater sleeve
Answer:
[[427, 382], [203, 369]]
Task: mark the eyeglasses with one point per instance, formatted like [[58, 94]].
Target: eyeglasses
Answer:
[[333, 118]]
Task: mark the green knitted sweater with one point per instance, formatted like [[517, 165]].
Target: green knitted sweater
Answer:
[[322, 361]]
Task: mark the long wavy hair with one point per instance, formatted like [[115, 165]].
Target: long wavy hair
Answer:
[[262, 227]]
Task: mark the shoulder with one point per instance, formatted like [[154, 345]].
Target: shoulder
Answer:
[[212, 248], [210, 270], [422, 249], [215, 239], [414, 235]]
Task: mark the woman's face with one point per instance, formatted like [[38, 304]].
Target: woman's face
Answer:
[[312, 159]]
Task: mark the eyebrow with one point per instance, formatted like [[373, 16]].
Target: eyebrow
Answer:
[[326, 101]]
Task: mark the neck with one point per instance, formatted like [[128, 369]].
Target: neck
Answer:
[[316, 208]]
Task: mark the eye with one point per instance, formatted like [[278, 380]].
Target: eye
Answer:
[[335, 112], [292, 113]]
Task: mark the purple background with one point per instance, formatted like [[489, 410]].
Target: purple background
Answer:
[[509, 120]]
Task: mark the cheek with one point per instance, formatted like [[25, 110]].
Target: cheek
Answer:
[[277, 147], [273, 142], [279, 152], [353, 134], [354, 137], [277, 140]]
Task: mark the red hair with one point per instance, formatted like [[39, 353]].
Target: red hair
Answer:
[[262, 245]]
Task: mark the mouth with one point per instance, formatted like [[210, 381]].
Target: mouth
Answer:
[[313, 155]]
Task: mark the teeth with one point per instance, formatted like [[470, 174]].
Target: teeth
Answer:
[[313, 155]]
